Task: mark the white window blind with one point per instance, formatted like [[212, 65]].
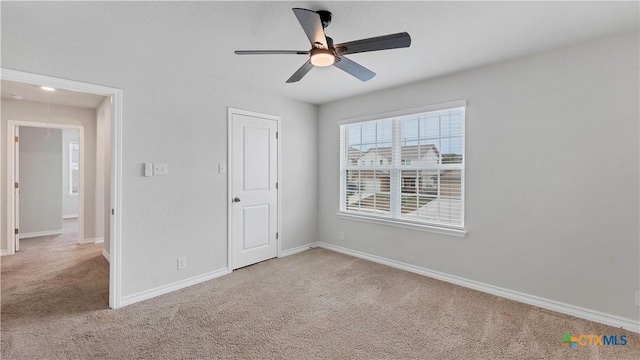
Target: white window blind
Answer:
[[74, 167], [408, 168]]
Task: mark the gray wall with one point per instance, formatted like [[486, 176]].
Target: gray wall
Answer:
[[36, 112], [69, 203], [551, 176], [40, 180], [175, 112]]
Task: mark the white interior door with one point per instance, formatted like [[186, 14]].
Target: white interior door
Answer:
[[16, 188], [253, 193]]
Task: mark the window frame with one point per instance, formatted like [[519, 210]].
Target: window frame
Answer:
[[393, 219]]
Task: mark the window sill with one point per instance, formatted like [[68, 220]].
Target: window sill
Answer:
[[402, 224]]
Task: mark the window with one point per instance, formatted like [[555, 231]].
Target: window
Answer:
[[74, 167], [416, 168]]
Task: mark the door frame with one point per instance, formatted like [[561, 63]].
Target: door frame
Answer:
[[12, 126], [115, 248], [230, 112]]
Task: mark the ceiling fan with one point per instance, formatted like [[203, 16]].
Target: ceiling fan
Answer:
[[324, 53]]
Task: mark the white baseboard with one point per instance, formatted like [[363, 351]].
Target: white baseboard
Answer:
[[40, 233], [161, 290], [106, 255], [568, 309], [295, 250], [91, 241], [72, 216], [4, 252], [87, 241]]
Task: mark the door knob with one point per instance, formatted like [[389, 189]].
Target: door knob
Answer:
[[236, 199]]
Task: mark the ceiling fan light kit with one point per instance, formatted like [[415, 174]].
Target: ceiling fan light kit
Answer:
[[324, 53], [322, 57]]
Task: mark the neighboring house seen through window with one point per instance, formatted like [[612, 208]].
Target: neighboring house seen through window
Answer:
[[414, 171]]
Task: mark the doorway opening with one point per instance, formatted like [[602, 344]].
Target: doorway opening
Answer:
[[113, 161], [49, 182]]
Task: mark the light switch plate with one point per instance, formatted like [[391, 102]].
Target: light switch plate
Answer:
[[222, 168], [148, 169], [160, 169]]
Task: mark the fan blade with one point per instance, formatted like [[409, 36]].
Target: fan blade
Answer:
[[353, 68], [312, 26], [271, 52], [304, 69], [385, 42]]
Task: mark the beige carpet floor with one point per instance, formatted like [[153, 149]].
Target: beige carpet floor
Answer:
[[313, 305]]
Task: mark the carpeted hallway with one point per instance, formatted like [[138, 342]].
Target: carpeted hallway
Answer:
[[313, 305]]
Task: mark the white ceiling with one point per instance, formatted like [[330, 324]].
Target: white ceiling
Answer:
[[58, 97], [447, 37]]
